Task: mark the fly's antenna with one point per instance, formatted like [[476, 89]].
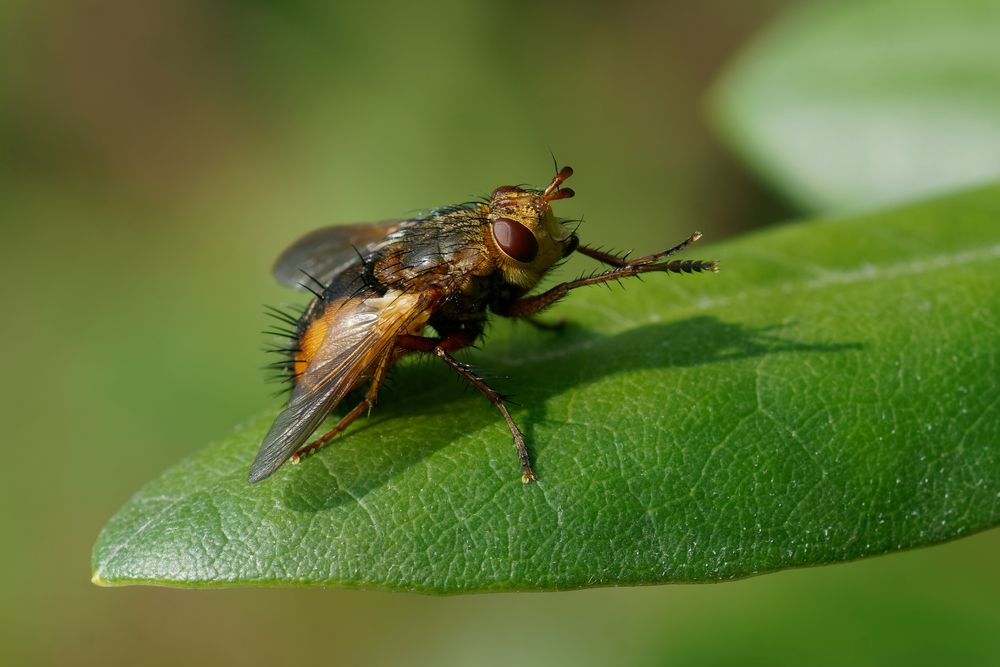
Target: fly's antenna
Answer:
[[552, 193]]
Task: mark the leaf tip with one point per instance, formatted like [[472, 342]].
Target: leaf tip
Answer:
[[98, 579]]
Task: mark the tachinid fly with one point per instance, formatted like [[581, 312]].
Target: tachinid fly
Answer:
[[378, 287]]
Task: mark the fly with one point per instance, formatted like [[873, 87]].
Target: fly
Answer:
[[378, 287]]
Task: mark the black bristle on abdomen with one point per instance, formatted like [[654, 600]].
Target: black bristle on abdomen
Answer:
[[292, 326]]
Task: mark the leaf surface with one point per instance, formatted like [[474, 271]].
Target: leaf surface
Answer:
[[831, 394]]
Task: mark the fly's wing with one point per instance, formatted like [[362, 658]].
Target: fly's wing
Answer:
[[361, 335], [326, 252]]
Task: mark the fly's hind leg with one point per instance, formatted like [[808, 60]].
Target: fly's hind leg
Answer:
[[364, 406], [442, 348], [356, 412]]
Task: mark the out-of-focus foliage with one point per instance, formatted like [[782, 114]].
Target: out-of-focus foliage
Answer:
[[848, 104]]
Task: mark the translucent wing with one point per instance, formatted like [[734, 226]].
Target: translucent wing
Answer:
[[325, 252], [360, 335]]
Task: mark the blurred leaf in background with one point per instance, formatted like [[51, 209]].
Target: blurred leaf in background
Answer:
[[848, 104]]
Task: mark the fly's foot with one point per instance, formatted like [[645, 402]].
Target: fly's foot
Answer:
[[297, 457]]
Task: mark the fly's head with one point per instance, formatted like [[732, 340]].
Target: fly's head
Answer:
[[525, 238]]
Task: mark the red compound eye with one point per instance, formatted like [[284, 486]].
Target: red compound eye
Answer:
[[504, 189], [515, 239]]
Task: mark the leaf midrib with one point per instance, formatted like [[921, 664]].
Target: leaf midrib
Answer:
[[861, 273]]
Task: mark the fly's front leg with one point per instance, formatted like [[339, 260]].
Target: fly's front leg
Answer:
[[442, 348], [622, 261], [622, 268]]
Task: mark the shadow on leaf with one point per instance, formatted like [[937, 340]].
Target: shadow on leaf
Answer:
[[541, 366]]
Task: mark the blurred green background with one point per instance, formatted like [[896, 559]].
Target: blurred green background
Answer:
[[154, 158]]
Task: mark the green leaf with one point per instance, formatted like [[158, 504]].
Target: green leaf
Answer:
[[831, 394], [846, 104]]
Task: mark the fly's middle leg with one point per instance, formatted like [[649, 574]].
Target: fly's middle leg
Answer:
[[442, 348]]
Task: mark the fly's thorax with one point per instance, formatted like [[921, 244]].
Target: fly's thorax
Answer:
[[435, 252], [524, 236]]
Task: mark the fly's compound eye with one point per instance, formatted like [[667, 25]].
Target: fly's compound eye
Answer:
[[504, 189], [515, 239]]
